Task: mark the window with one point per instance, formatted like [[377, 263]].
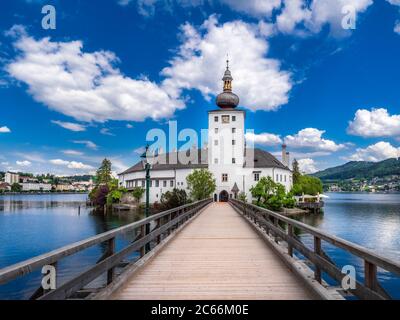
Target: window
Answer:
[[233, 118], [281, 178], [224, 177], [164, 183], [215, 142], [216, 161], [233, 130], [171, 183], [225, 119], [151, 183], [233, 142], [157, 183], [136, 183], [256, 177], [277, 178], [233, 160], [216, 119], [216, 130], [285, 177]]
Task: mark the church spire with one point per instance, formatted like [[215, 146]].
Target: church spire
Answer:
[[227, 99], [227, 79]]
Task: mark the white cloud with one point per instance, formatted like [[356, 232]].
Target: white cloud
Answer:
[[89, 144], [129, 126], [307, 166], [24, 163], [71, 164], [374, 123], [70, 126], [4, 130], [294, 12], [264, 139], [376, 152], [86, 86], [106, 132], [59, 162], [311, 138], [72, 152], [397, 27], [199, 64], [257, 8]]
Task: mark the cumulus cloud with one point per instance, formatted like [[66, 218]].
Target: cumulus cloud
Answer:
[[4, 130], [71, 164], [24, 163], [70, 126], [294, 12], [397, 27], [88, 144], [264, 139], [307, 166], [256, 8], [259, 81], [106, 132], [374, 123], [311, 138], [85, 86], [376, 152]]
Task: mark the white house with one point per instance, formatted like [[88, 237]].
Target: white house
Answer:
[[235, 167]]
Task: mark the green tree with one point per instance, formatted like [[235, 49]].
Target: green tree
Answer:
[[173, 199], [307, 185], [16, 187], [263, 190], [296, 172], [103, 174], [138, 193], [201, 184]]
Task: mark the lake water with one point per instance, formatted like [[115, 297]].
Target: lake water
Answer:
[[34, 224], [31, 225], [370, 220]]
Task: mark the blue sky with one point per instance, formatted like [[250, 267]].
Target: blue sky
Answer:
[[113, 70]]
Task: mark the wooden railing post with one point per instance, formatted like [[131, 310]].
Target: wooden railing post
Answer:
[[370, 273], [276, 221], [290, 238], [318, 251], [111, 251], [142, 234], [158, 225]]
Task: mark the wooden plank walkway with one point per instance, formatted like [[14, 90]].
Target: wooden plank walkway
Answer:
[[217, 256]]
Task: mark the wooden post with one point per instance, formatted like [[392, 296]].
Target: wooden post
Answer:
[[277, 226], [111, 251], [318, 251], [142, 234], [158, 226], [290, 234], [370, 273]]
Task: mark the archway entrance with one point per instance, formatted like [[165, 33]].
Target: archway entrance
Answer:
[[223, 196]]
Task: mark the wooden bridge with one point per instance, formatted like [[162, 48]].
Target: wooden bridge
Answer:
[[212, 251]]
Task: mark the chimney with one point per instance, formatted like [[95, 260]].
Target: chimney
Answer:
[[288, 159], [284, 155]]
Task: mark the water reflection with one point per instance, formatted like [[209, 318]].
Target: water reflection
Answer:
[[31, 225], [371, 220]]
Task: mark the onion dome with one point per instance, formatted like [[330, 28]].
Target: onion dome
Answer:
[[227, 99]]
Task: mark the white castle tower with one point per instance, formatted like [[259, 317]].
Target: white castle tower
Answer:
[[226, 142]]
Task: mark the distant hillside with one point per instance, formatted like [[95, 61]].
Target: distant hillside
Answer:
[[361, 170]]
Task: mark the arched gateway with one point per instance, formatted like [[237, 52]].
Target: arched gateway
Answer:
[[224, 196]]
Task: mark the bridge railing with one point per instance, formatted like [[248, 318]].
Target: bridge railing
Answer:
[[163, 224], [283, 229]]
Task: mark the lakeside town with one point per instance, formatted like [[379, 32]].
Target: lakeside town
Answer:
[[374, 185], [26, 182]]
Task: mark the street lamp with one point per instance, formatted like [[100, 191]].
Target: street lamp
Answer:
[[147, 167]]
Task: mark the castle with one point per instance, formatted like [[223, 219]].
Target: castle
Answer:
[[235, 167]]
